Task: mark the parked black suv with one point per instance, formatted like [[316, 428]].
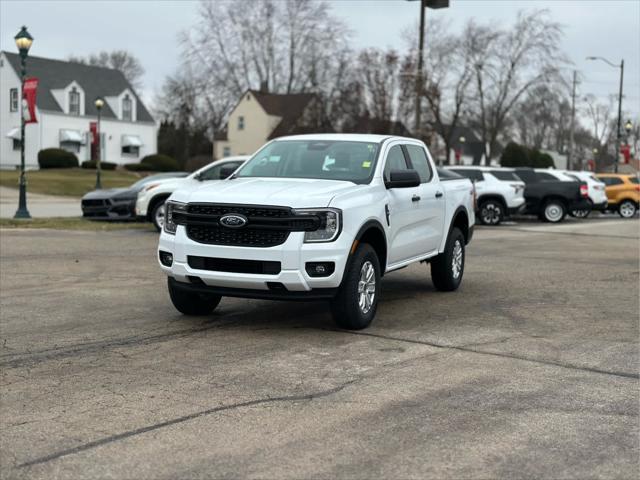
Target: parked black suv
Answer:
[[549, 199]]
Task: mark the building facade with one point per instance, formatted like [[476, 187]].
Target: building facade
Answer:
[[65, 111], [260, 116]]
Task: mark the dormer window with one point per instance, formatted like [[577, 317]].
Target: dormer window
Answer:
[[127, 110], [74, 102]]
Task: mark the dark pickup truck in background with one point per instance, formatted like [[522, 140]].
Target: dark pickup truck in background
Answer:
[[550, 200]]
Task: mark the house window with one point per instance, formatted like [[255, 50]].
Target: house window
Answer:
[[226, 152], [127, 114], [16, 144], [13, 100], [240, 123], [73, 147], [131, 151], [74, 102]]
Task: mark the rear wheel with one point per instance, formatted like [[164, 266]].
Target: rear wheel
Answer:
[[157, 215], [357, 301], [448, 267], [192, 303], [580, 213], [627, 209], [553, 211], [491, 212]]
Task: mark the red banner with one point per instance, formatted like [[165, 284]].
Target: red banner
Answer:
[[29, 100], [93, 128]]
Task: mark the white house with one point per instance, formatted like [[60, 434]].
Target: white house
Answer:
[[65, 110]]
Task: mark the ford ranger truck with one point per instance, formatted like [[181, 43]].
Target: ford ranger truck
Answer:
[[314, 217]]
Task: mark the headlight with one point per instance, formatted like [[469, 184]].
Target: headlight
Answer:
[[330, 224], [170, 208]]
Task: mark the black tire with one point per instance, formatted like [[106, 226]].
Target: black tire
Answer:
[[580, 213], [445, 277], [191, 303], [345, 307], [155, 215], [491, 212], [553, 211], [627, 209]]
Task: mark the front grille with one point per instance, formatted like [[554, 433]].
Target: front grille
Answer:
[[234, 265], [94, 203], [246, 237], [266, 226]]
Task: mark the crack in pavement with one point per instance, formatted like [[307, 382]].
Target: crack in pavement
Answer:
[[467, 349], [185, 418]]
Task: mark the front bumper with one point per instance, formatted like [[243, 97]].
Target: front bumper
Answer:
[[292, 255], [108, 209]]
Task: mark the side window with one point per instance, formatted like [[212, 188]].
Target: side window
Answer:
[[614, 181], [13, 100], [216, 172], [633, 180], [395, 161], [420, 162], [473, 175], [240, 123], [546, 177]]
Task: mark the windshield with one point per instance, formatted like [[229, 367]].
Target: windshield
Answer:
[[322, 159]]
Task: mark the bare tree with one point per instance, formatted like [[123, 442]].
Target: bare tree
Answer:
[[506, 64], [121, 60]]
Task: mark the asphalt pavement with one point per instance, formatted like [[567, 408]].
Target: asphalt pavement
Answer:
[[530, 370]]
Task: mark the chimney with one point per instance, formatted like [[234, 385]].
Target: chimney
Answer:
[[264, 86]]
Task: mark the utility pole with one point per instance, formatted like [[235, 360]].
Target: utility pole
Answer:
[[573, 120], [417, 125], [619, 117]]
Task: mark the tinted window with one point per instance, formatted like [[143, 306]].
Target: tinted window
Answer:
[[546, 177], [633, 179], [445, 174], [573, 177], [395, 161], [322, 159], [215, 172], [420, 162], [610, 181], [505, 175], [471, 174]]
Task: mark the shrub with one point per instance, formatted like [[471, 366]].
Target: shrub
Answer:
[[103, 165], [515, 155], [136, 167], [160, 163], [541, 160], [57, 158], [196, 162]]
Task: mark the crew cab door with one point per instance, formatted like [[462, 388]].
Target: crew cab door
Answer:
[[431, 205], [406, 222]]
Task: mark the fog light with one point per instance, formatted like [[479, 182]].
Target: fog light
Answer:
[[320, 269], [166, 258]]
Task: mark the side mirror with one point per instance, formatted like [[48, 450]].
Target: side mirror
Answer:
[[226, 171], [403, 179], [198, 177]]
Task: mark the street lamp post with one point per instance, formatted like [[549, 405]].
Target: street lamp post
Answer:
[[99, 103], [23, 42], [621, 67]]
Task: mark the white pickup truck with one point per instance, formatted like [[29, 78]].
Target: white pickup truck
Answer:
[[317, 217]]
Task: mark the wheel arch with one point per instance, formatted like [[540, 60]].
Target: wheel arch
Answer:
[[154, 201], [460, 220], [372, 232], [492, 196]]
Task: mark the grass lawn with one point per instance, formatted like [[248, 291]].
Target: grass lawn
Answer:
[[73, 223], [73, 182]]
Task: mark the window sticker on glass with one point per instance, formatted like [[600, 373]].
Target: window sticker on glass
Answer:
[[366, 164]]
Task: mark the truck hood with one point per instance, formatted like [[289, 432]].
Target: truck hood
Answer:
[[287, 192]]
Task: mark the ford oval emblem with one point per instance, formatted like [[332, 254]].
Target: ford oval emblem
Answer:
[[233, 220]]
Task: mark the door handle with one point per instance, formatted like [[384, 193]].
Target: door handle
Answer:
[[415, 198], [439, 194]]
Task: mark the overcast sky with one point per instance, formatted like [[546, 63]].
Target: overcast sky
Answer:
[[608, 28]]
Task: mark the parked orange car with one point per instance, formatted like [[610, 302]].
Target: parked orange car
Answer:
[[623, 192]]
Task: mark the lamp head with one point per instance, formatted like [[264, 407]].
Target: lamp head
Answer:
[[23, 41], [99, 103]]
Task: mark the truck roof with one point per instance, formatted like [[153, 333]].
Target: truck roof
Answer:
[[348, 137]]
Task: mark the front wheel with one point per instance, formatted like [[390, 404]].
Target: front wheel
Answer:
[[157, 215], [554, 211], [192, 303], [355, 305], [491, 212], [627, 209], [448, 267]]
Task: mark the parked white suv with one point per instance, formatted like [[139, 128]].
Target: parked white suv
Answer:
[[597, 192], [499, 190], [317, 217], [150, 202]]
